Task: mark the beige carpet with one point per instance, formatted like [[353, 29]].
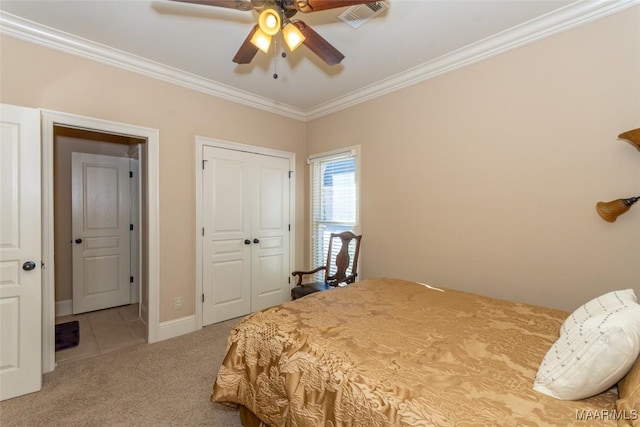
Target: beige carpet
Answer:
[[162, 384]]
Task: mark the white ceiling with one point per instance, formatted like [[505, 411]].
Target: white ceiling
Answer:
[[193, 45]]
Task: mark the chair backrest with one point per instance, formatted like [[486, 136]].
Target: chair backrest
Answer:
[[341, 267]]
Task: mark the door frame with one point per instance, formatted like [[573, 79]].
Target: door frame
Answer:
[[134, 217], [152, 136], [202, 141]]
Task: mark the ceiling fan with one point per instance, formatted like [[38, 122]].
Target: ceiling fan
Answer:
[[275, 16]]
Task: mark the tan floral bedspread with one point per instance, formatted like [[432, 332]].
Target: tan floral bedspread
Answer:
[[386, 352]]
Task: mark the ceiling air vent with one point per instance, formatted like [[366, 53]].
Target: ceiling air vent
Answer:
[[355, 16]]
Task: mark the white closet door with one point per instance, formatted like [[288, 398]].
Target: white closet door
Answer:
[[226, 262], [20, 252], [246, 233], [270, 226]]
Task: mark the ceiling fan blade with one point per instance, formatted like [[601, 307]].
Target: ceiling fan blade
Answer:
[[316, 5], [318, 45], [231, 4], [247, 51]]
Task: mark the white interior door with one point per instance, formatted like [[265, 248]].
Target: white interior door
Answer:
[[100, 209], [20, 252], [270, 228], [227, 236]]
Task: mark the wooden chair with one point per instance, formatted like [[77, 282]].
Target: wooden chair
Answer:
[[343, 264]]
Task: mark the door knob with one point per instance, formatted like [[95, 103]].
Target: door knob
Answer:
[[28, 266], [247, 241], [78, 241], [256, 241]]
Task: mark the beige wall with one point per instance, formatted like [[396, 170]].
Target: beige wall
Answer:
[[485, 179], [34, 76]]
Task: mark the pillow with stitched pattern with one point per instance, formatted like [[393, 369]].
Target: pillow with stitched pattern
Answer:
[[593, 354], [597, 306]]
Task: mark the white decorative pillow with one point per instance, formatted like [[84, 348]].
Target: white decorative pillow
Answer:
[[592, 355], [598, 305]]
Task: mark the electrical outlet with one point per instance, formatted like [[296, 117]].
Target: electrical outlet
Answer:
[[177, 303]]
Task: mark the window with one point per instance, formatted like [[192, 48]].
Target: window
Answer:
[[334, 200]]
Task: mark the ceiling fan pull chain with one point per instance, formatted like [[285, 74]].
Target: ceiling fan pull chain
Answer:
[[275, 64]]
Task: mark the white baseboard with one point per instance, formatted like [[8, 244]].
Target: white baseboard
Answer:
[[177, 327], [64, 308]]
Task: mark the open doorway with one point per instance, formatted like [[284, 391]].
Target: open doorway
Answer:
[[149, 249], [99, 239]]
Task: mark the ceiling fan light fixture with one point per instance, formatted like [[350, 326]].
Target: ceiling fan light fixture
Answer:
[[261, 40], [269, 21], [293, 37]]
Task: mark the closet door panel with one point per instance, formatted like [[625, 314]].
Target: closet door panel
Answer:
[[226, 263], [270, 223]]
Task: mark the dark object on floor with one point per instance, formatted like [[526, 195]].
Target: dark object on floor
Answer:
[[67, 335]]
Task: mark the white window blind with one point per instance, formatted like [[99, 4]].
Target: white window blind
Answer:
[[334, 201]]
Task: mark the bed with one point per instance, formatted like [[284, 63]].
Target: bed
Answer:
[[388, 352]]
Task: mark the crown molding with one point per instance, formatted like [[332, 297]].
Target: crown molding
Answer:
[[571, 16], [51, 38], [568, 17]]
